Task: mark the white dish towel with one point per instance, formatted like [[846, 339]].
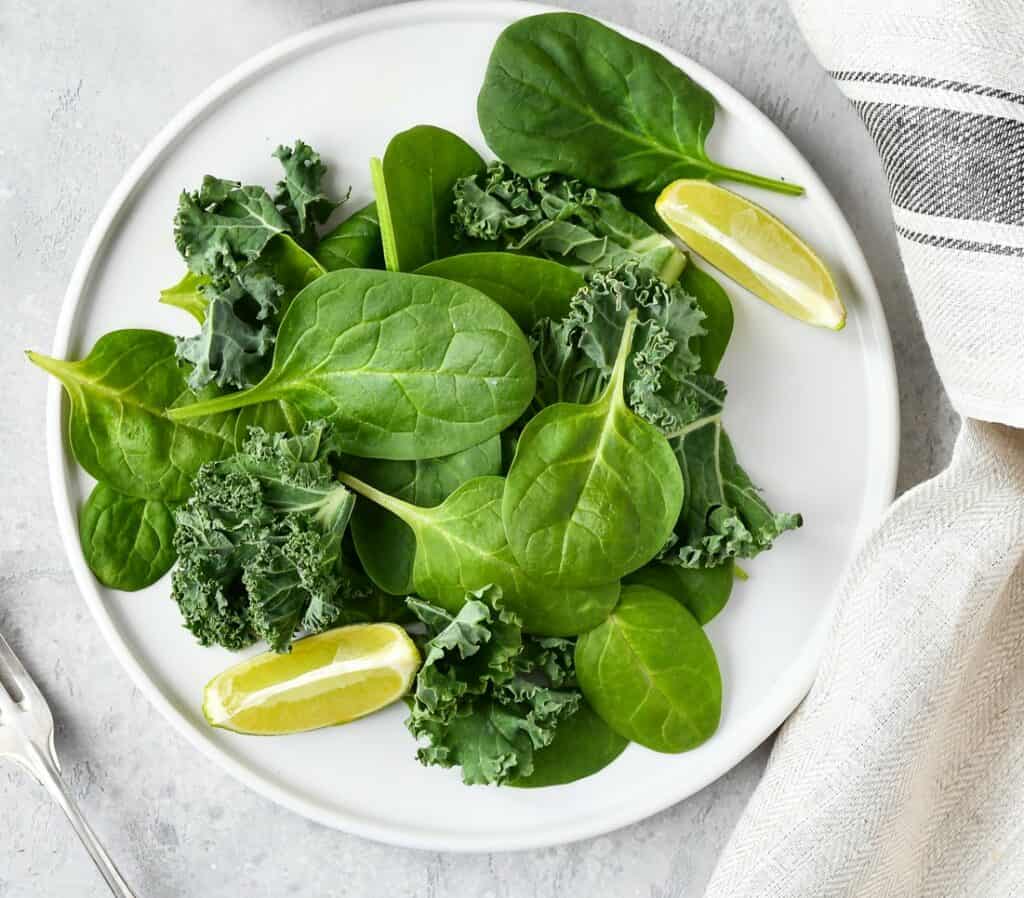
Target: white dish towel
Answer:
[[902, 773]]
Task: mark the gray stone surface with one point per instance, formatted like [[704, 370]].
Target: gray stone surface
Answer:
[[82, 87]]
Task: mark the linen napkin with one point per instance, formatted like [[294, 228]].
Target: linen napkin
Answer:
[[902, 773]]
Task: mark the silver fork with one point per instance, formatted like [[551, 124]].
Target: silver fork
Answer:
[[26, 735]]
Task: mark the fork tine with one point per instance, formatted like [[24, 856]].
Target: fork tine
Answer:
[[15, 673]]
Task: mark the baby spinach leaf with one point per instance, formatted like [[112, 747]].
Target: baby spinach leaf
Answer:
[[714, 302], [385, 544], [128, 542], [562, 219], [583, 744], [703, 591], [403, 366], [188, 295], [461, 546], [487, 698], [528, 288], [355, 243], [563, 93], [650, 672], [120, 428], [414, 185], [594, 491], [300, 196]]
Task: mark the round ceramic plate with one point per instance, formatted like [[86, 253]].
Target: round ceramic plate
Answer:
[[813, 414]]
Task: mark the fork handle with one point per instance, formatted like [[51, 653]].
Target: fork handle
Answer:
[[50, 777]]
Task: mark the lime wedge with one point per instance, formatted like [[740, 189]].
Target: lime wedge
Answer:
[[327, 679], [754, 248]]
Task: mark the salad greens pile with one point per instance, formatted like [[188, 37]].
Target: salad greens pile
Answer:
[[484, 405]]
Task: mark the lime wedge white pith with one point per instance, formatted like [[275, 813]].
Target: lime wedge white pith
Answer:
[[327, 679], [754, 248]]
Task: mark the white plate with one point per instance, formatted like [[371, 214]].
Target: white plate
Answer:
[[813, 414]]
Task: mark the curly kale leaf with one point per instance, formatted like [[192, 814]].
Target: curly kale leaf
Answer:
[[724, 515], [488, 697], [224, 225], [234, 343], [562, 219], [260, 543], [300, 195], [242, 276]]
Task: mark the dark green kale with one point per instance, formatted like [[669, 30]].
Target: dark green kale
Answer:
[[724, 515], [562, 219], [260, 543], [247, 253], [300, 195], [488, 697]]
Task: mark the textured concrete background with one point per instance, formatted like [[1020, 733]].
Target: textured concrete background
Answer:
[[83, 86]]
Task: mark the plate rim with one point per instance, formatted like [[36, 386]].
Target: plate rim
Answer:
[[789, 691]]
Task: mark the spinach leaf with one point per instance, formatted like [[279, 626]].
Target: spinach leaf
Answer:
[[714, 302], [703, 591], [723, 515], [188, 295], [562, 219], [385, 544], [120, 428], [583, 744], [563, 93], [128, 542], [300, 196], [528, 288], [461, 546], [240, 316], [260, 543], [414, 186], [650, 672], [487, 698], [403, 366], [355, 243], [594, 491]]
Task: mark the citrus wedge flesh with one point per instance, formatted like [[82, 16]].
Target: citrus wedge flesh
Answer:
[[754, 248], [328, 679]]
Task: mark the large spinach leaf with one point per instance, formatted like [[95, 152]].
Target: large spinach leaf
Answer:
[[704, 591], [385, 544], [403, 366], [413, 185], [488, 698], [582, 745], [528, 288], [563, 93], [594, 491], [120, 428], [355, 243], [651, 673], [461, 546], [562, 219], [128, 542]]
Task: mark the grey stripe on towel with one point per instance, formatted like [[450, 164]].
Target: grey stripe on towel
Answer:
[[950, 163]]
